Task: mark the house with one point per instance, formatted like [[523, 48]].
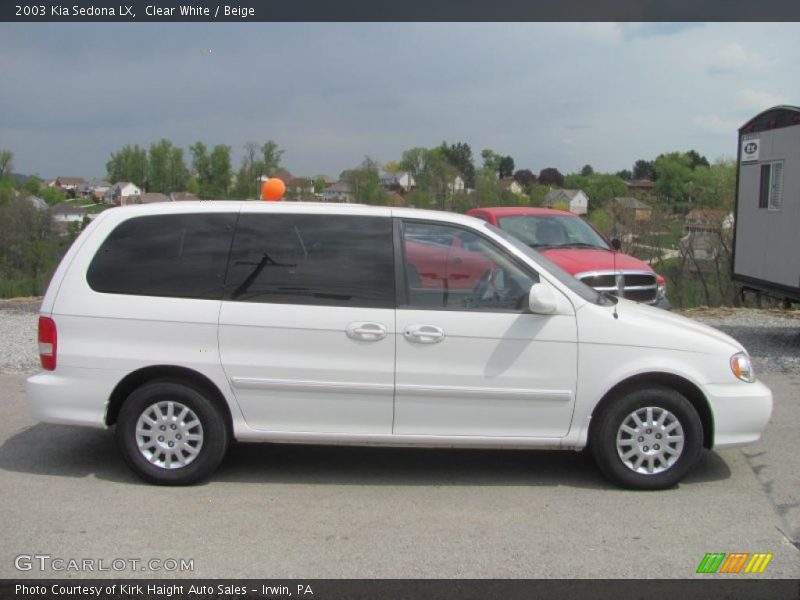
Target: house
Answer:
[[299, 188], [119, 194], [182, 197], [510, 184], [640, 185], [67, 213], [576, 200], [338, 192], [457, 186], [630, 211], [712, 221], [146, 198], [95, 189], [402, 181], [66, 216], [70, 185], [326, 178]]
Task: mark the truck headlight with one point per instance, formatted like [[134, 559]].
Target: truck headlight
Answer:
[[662, 291], [742, 368]]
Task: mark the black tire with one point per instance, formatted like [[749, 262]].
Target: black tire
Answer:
[[208, 453], [670, 463]]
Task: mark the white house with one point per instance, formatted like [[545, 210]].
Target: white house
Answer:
[[120, 193], [67, 213], [577, 200], [338, 192], [510, 184], [400, 181], [457, 186]]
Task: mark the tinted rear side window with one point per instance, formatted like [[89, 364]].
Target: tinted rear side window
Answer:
[[329, 260], [181, 256]]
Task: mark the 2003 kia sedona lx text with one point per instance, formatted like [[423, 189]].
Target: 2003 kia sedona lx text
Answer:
[[187, 325]]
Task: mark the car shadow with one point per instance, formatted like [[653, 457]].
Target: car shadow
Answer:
[[63, 451]]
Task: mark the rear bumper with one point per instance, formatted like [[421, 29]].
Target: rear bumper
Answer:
[[71, 396], [740, 411]]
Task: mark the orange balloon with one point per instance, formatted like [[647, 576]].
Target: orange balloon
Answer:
[[273, 189]]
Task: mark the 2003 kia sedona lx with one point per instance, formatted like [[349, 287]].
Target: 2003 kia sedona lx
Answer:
[[187, 325]]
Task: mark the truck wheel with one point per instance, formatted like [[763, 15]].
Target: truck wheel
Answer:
[[647, 439], [171, 434]]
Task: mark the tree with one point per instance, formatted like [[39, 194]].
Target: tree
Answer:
[[32, 185], [201, 165], [272, 157], [506, 167], [491, 160], [176, 170], [158, 167], [587, 171], [248, 177], [128, 164], [365, 183], [319, 185], [460, 156], [644, 169], [551, 176], [673, 176], [220, 171], [525, 178], [696, 160], [486, 191], [624, 174], [6, 163], [415, 161], [714, 187]]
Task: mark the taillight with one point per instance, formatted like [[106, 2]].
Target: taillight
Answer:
[[48, 343]]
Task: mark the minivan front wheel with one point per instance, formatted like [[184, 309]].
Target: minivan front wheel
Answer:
[[171, 433], [647, 439]]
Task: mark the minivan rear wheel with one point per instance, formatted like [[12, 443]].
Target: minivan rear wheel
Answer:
[[171, 433], [647, 439]]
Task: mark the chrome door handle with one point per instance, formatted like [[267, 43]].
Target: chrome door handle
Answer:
[[424, 334], [365, 331]]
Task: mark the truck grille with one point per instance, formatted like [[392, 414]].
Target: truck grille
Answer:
[[638, 286]]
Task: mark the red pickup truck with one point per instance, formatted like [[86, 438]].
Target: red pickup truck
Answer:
[[575, 246]]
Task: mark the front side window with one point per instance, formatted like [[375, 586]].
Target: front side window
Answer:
[[450, 268], [328, 260], [770, 194], [179, 256]]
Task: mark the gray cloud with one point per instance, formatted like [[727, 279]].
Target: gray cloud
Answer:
[[548, 94]]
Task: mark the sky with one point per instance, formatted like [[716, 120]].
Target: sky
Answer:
[[548, 94]]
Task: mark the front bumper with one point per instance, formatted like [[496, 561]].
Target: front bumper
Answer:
[[740, 412]]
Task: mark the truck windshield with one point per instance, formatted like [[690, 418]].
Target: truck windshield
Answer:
[[584, 291], [553, 231]]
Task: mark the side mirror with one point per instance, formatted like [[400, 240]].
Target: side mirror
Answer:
[[616, 244], [542, 299]]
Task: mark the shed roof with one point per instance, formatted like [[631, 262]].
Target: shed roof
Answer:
[[773, 118]]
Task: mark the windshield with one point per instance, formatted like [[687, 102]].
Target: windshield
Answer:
[[553, 231], [584, 291]]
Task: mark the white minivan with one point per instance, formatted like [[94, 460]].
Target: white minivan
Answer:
[[187, 325]]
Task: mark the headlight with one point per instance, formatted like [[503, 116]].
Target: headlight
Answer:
[[662, 291], [741, 367]]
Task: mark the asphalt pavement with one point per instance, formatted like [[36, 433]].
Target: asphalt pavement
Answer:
[[290, 511]]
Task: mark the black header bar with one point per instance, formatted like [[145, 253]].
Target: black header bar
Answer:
[[394, 10]]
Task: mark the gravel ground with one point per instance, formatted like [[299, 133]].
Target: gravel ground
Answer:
[[772, 337]]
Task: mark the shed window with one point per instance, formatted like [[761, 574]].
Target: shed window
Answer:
[[771, 186]]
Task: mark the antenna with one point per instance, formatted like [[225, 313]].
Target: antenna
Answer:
[[615, 245]]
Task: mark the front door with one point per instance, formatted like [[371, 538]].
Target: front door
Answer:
[[471, 359]]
